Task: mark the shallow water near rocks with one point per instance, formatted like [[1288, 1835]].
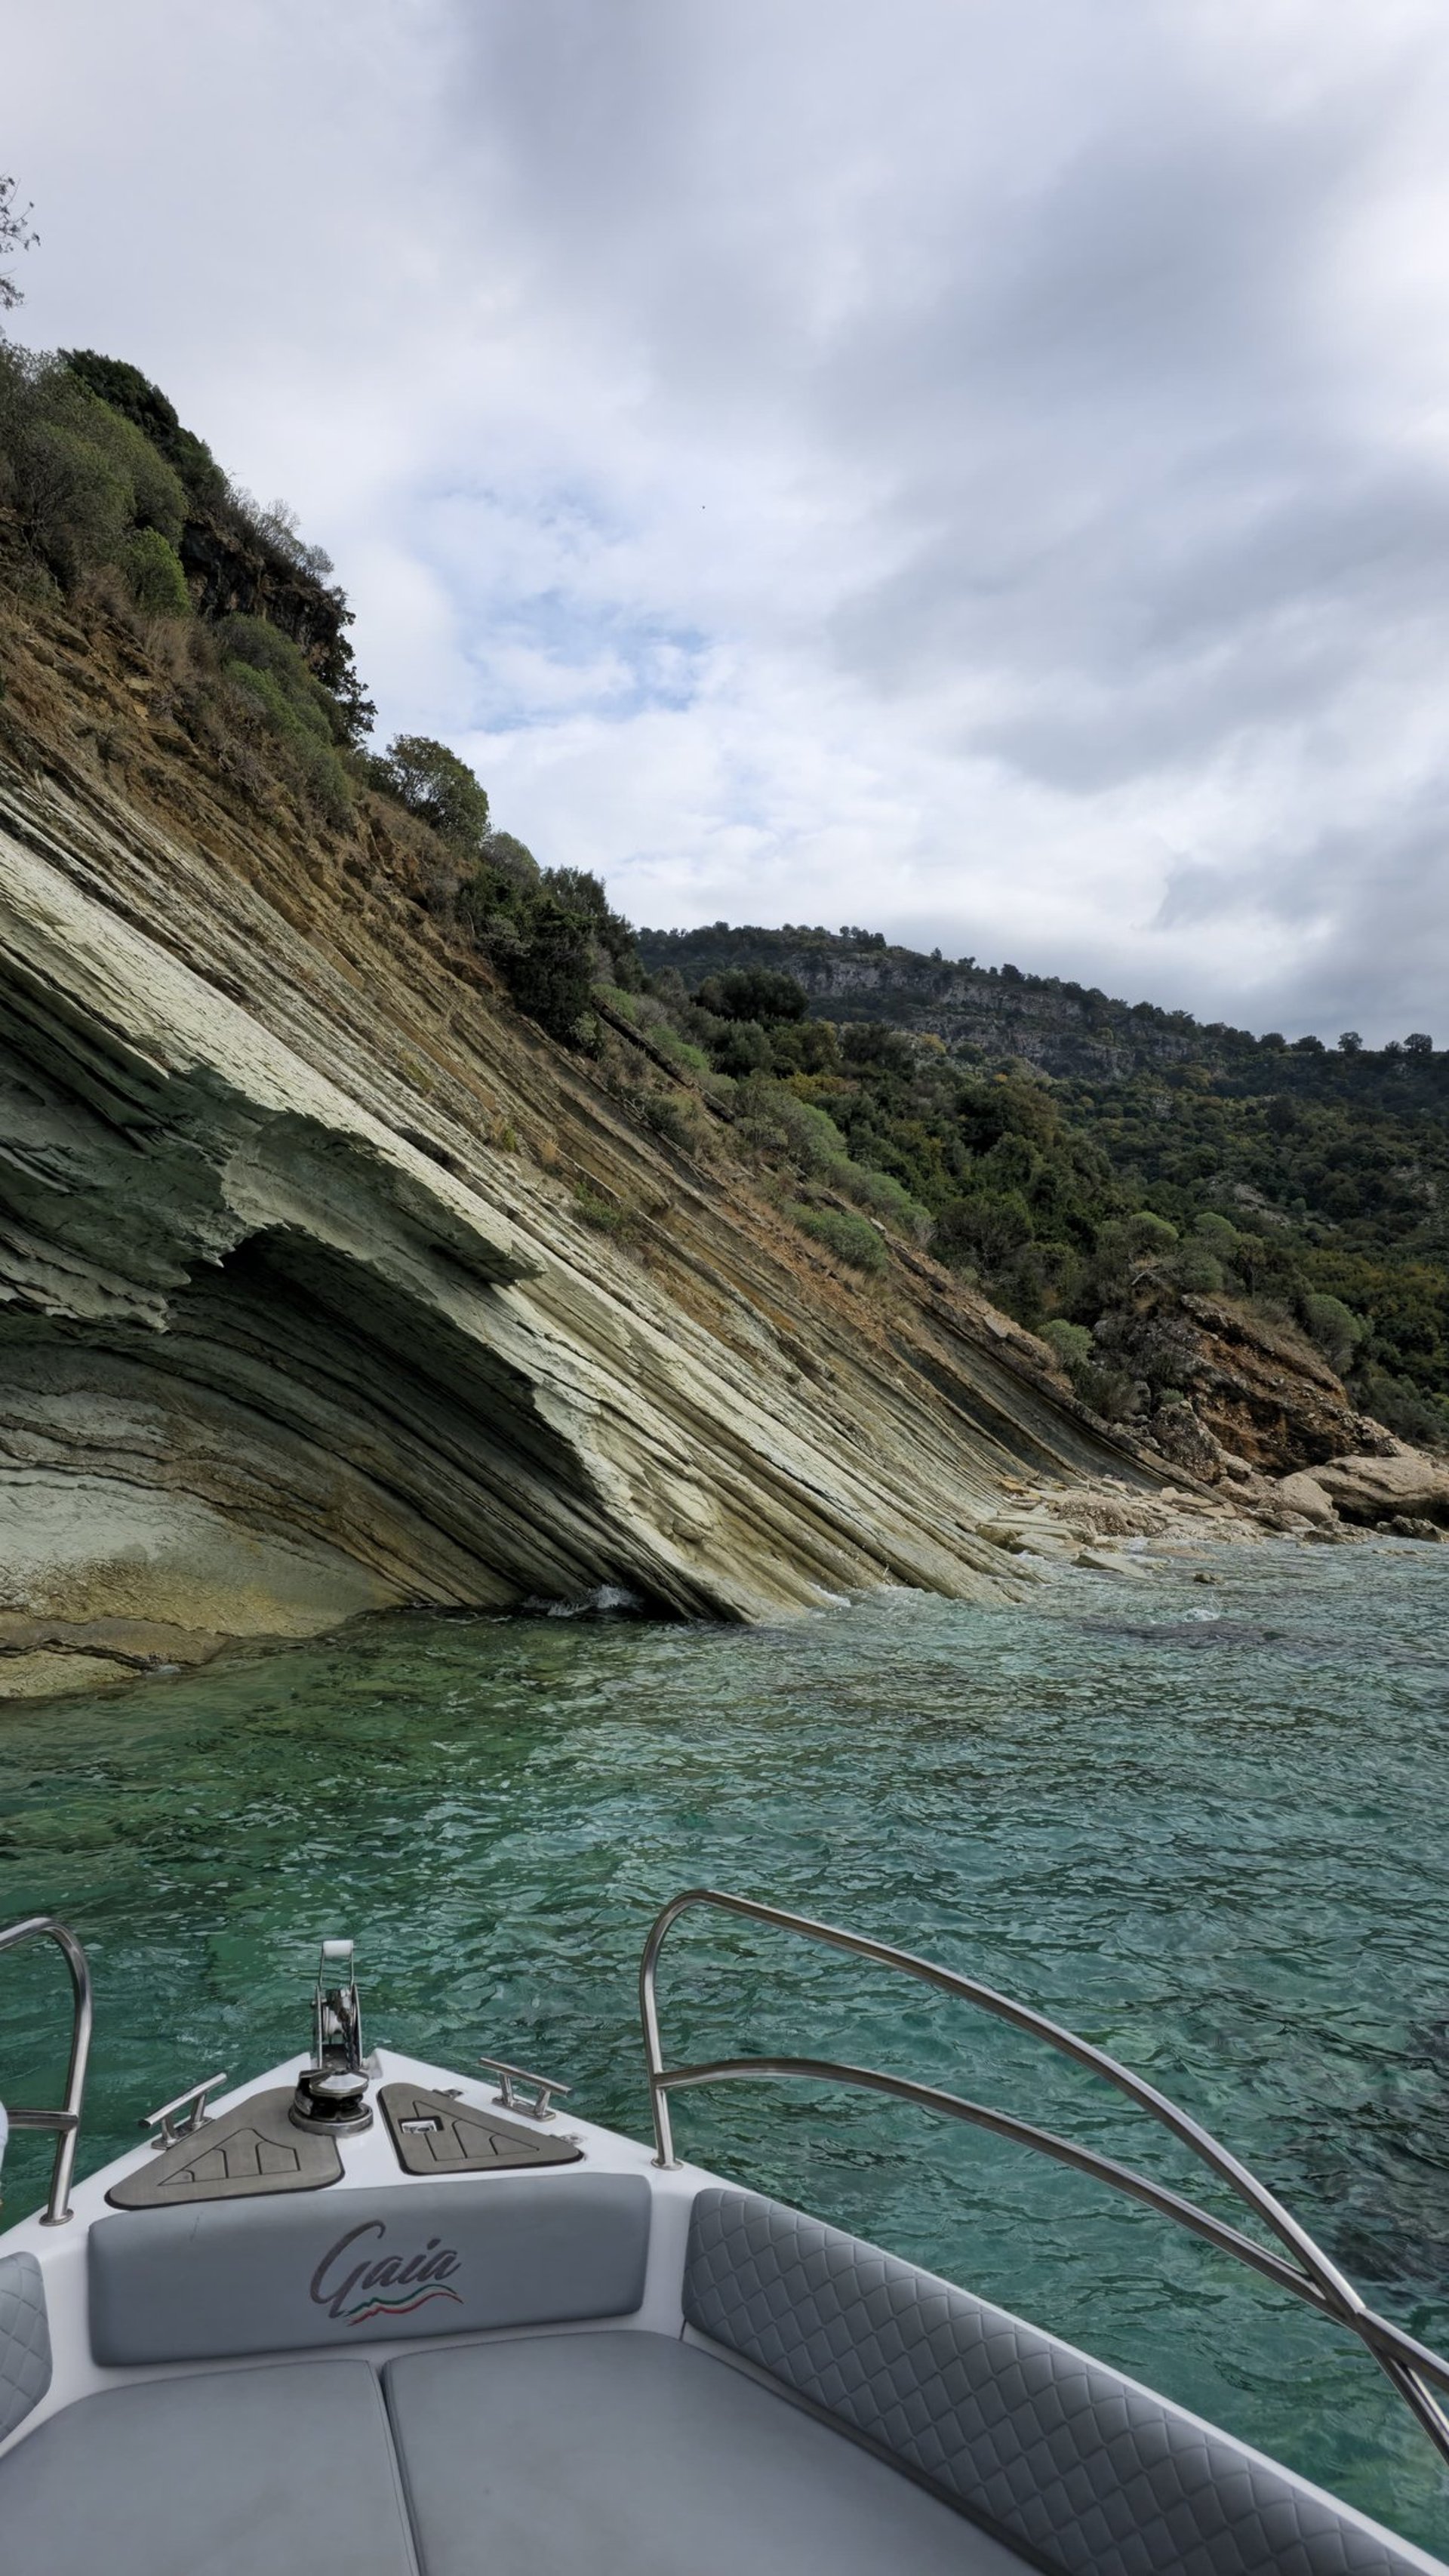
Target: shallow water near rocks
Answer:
[[1204, 1827]]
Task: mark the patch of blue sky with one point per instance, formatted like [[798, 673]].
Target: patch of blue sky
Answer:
[[548, 583], [554, 655]]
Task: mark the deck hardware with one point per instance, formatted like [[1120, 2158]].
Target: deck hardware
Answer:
[[65, 2122], [336, 2011], [1420, 2375], [508, 2099], [170, 2129], [332, 2092]]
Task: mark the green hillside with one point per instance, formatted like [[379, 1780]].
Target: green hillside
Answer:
[[1087, 1158]]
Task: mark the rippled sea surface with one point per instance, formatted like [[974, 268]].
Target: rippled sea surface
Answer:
[[1202, 1824]]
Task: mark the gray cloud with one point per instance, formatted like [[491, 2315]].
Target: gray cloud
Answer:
[[909, 465]]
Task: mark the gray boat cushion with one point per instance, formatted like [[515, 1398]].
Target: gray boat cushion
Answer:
[[278, 2472], [232, 2277], [24, 2340], [636, 2455], [1076, 2466]]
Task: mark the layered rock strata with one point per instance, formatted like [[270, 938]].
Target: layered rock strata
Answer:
[[301, 1310]]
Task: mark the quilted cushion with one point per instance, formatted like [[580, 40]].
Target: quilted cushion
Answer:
[[1055, 2453], [24, 2340]]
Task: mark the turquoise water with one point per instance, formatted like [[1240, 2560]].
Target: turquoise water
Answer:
[[1202, 1825]]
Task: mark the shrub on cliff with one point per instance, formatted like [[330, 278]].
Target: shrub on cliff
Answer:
[[153, 570], [774, 1121], [583, 895], [1107, 1392], [850, 1238], [506, 856], [270, 676], [546, 957], [1197, 1271], [1337, 1332], [741, 1049], [1214, 1230], [868, 1047], [548, 931], [674, 1115], [1071, 1344], [882, 1192], [1409, 1411], [262, 658], [803, 1046]]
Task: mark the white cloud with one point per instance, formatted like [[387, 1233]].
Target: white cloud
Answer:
[[982, 473]]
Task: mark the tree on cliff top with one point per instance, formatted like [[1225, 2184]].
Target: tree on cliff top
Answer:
[[433, 783], [117, 382], [15, 234]]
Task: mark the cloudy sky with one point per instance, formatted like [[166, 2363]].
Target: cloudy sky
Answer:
[[974, 468]]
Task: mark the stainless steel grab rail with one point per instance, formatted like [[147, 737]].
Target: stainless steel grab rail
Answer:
[[66, 2122], [1310, 2274]]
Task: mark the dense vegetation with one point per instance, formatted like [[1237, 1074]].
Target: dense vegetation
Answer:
[[1310, 1183]]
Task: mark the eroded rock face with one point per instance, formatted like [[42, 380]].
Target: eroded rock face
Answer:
[[299, 1315], [1257, 1391]]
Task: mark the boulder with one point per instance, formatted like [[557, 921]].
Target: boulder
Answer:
[[1384, 1489], [1304, 1494]]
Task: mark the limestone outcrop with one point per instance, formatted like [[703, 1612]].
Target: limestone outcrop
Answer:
[[1305, 1495], [1405, 1487], [306, 1307]]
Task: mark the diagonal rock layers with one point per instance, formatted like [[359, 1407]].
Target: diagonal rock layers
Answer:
[[299, 1315]]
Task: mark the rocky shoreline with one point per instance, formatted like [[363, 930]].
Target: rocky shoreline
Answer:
[[1106, 1526]]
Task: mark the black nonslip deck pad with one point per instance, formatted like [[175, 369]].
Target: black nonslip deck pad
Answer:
[[436, 2133], [253, 2149]]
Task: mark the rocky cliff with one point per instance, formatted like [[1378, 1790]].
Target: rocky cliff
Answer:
[[328, 1283], [1073, 1032], [1064, 1028]]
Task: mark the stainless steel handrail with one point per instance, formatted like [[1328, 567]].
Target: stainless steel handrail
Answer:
[[66, 2122], [1310, 2274]]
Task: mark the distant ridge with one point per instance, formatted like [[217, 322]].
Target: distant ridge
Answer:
[[1066, 1029]]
